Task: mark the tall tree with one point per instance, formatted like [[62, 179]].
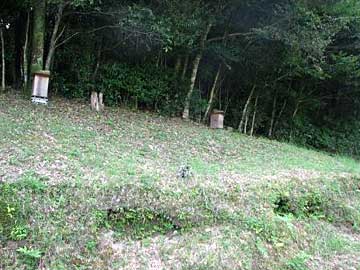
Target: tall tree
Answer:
[[26, 52], [195, 69], [55, 34], [3, 84], [38, 35]]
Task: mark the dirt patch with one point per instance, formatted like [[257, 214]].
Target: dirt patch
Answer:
[[337, 262]]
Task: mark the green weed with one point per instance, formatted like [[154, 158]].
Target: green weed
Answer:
[[30, 257], [140, 223]]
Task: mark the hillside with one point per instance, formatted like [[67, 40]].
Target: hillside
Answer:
[[103, 191]]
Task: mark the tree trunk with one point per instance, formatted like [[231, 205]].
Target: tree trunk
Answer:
[[226, 102], [11, 68], [297, 106], [177, 65], [280, 114], [246, 121], [2, 59], [254, 116], [37, 59], [18, 62], [158, 60], [26, 47], [212, 95], [214, 88], [98, 61], [186, 112], [54, 36], [243, 117], [185, 67], [272, 117]]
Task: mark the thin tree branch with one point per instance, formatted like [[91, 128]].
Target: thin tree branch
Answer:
[[60, 34], [230, 35], [67, 39]]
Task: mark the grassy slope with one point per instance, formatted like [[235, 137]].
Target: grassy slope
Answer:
[[93, 162]]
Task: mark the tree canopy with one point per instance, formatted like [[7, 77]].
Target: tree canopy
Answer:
[[284, 69]]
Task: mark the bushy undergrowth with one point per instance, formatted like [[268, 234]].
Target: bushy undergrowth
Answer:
[[140, 223], [306, 205], [321, 200], [339, 137], [144, 87]]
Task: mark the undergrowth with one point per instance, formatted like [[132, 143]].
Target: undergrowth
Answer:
[[11, 219], [140, 223]]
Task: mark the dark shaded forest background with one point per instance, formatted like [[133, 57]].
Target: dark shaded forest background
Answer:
[[284, 69]]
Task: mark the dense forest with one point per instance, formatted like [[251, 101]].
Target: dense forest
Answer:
[[283, 69]]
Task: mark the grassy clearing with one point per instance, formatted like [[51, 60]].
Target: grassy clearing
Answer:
[[102, 191]]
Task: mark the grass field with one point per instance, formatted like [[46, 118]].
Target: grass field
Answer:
[[81, 190]]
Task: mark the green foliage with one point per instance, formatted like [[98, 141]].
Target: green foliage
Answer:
[[29, 256], [333, 136], [91, 245], [305, 30], [344, 67], [145, 87], [198, 105], [140, 223], [10, 215], [310, 204], [319, 200], [30, 181], [304, 51], [274, 230], [298, 262], [263, 228], [19, 232], [76, 77], [181, 24], [12, 208], [176, 27], [101, 219]]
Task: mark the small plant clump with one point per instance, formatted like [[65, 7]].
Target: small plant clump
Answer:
[[30, 257], [19, 232], [140, 223], [11, 220], [311, 204], [298, 262], [30, 181]]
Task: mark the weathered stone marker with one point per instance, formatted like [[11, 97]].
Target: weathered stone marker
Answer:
[[40, 87], [217, 119]]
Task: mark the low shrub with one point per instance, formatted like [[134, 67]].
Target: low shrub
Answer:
[[338, 137], [140, 223], [11, 218], [311, 204]]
